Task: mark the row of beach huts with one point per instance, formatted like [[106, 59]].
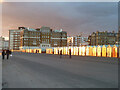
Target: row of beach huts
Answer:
[[99, 51]]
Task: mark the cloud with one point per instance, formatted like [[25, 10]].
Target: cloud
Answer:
[[71, 17]]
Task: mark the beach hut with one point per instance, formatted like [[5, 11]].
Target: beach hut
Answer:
[[87, 51], [98, 51], [76, 51], [94, 51], [80, 49], [90, 51], [114, 51], [83, 51], [109, 51], [104, 51]]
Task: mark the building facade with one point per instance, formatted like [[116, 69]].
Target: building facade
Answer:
[[1, 42], [14, 39], [103, 38], [69, 41], [6, 44], [58, 38], [45, 36], [30, 38], [77, 40]]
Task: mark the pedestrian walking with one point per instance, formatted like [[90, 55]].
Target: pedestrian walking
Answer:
[[36, 51], [70, 52], [3, 54], [7, 53], [60, 53]]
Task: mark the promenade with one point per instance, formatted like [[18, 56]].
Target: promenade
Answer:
[[25, 70]]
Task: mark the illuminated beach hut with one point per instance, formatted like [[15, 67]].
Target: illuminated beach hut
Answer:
[[23, 50], [39, 51], [83, 51], [104, 51], [28, 50], [80, 50], [109, 51], [65, 50], [47, 50], [59, 50], [114, 51], [72, 51], [77, 51], [34, 50], [50, 51], [90, 51], [98, 51], [55, 50], [87, 51], [94, 51], [68, 49]]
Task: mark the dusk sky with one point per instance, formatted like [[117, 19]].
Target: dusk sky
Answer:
[[72, 17]]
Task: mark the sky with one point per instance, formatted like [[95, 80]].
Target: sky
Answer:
[[73, 17]]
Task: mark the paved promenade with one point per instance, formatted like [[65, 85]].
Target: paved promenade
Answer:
[[24, 70]]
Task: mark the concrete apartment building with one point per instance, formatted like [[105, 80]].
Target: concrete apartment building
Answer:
[[77, 40], [14, 39], [30, 38], [103, 38], [69, 41], [45, 36], [24, 38], [6, 44], [2, 39], [58, 38]]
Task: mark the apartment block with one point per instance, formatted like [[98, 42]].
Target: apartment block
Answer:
[[14, 39], [58, 38], [1, 42], [45, 36], [77, 40], [30, 38], [103, 38]]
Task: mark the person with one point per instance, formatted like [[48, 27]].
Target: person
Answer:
[[70, 52], [60, 53], [3, 54], [7, 53]]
